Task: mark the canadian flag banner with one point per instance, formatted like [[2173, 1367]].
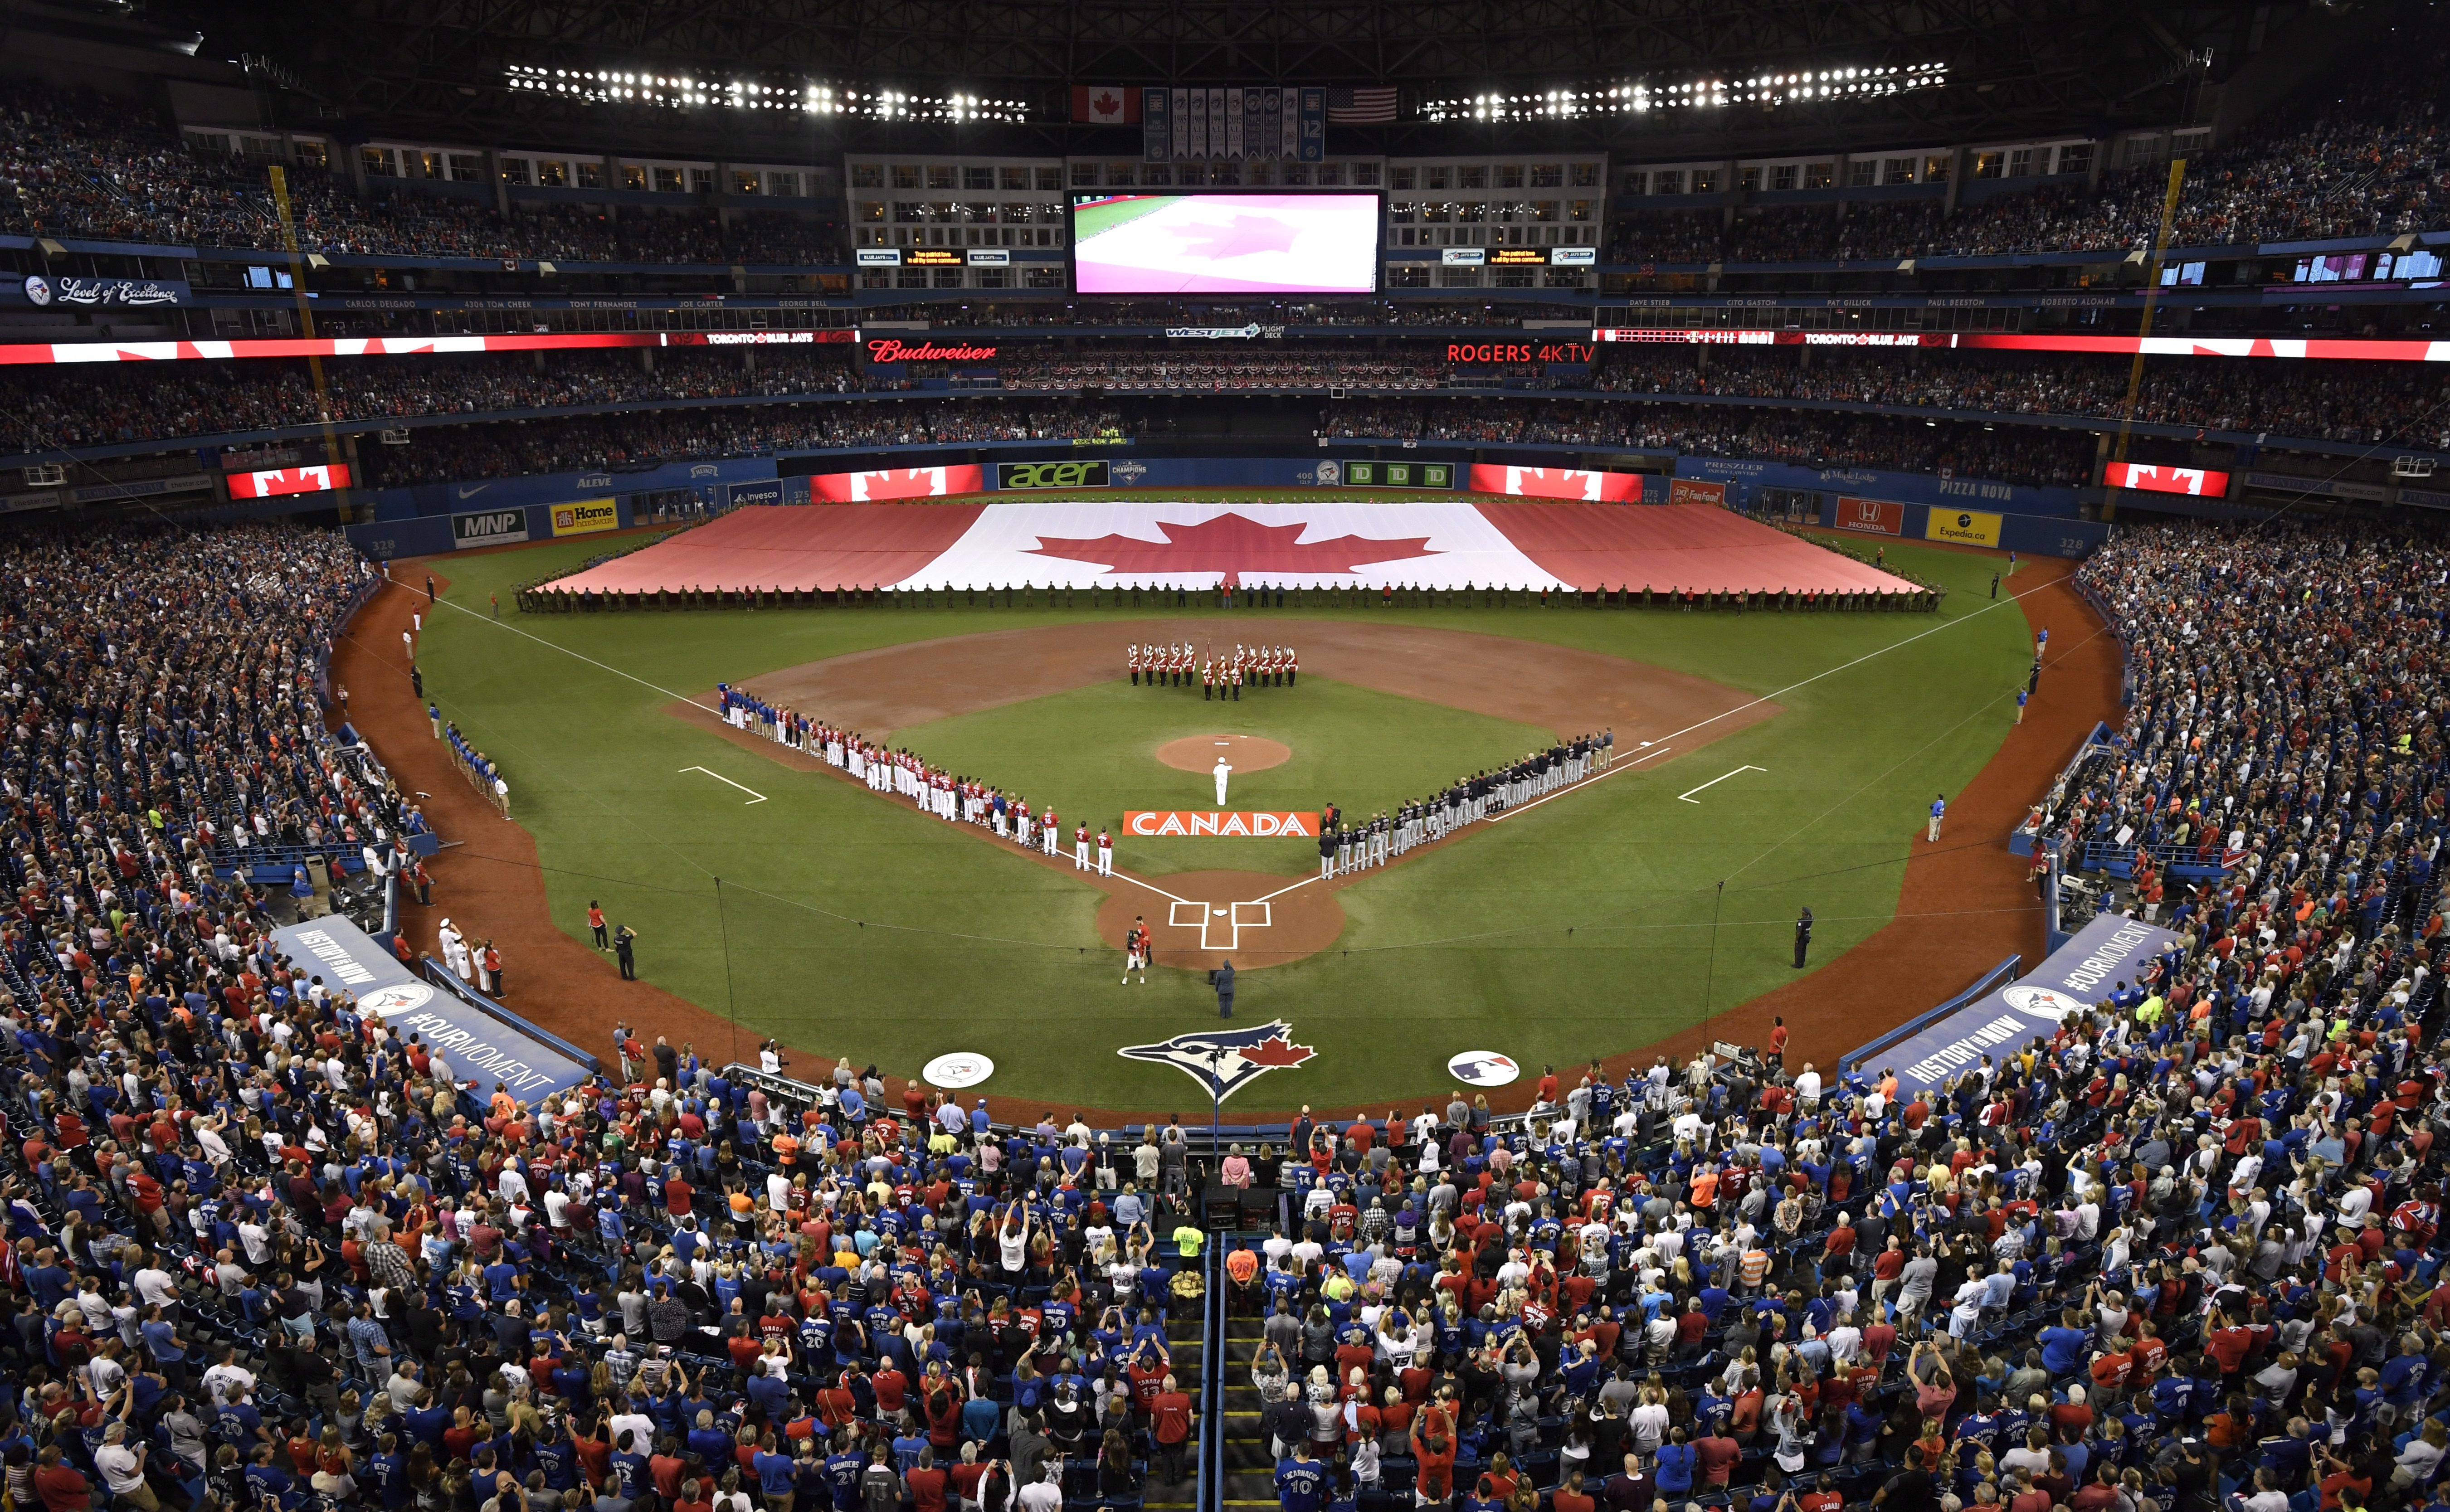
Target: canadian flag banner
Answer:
[[1451, 544], [1106, 103]]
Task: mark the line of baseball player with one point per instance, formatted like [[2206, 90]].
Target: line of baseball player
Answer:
[[951, 797], [1342, 848], [1216, 674], [1384, 837]]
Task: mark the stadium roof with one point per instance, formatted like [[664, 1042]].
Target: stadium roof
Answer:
[[2014, 66]]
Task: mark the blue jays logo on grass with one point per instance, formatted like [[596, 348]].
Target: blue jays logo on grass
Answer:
[[1225, 1060]]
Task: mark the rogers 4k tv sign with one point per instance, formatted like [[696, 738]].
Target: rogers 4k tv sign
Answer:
[[1010, 475]]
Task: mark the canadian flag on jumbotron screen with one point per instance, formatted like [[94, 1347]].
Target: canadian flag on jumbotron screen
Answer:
[[1106, 103], [899, 482], [2150, 478], [275, 481]]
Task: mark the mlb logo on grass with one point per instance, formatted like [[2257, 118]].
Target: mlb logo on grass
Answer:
[[1483, 1068], [1225, 1061]]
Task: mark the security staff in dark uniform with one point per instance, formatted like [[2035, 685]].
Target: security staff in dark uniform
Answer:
[[1802, 938]]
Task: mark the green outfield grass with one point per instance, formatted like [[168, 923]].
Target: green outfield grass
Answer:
[[1095, 219], [854, 926]]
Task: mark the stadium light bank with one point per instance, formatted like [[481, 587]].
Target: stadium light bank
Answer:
[[1641, 97], [681, 91]]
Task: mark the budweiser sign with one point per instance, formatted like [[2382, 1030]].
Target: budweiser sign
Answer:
[[1244, 823], [886, 349]]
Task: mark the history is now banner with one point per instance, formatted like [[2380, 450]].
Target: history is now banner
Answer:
[[1243, 823]]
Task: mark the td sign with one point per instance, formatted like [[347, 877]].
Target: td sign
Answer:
[[1051, 475]]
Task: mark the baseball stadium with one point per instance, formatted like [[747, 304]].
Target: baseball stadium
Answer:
[[767, 757]]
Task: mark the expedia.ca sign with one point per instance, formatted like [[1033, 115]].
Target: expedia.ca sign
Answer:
[[488, 528], [1051, 475]]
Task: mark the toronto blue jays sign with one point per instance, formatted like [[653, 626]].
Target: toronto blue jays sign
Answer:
[[1225, 1060]]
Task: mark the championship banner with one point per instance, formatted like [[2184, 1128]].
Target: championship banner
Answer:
[[1964, 526], [1240, 823], [897, 482], [584, 516], [1692, 491], [1869, 517]]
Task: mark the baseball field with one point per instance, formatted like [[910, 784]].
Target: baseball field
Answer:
[[1791, 761]]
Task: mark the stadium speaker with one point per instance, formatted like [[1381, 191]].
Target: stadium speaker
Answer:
[[1337, 393]]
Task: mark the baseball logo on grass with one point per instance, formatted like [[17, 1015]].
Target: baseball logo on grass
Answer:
[[1483, 1068], [958, 1069]]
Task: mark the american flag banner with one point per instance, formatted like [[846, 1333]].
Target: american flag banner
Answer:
[[1373, 105]]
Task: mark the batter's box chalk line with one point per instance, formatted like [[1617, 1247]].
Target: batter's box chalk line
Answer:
[[1213, 921]]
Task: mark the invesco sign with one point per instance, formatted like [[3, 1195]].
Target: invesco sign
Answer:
[[1051, 475]]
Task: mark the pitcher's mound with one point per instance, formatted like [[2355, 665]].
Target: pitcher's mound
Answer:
[[1244, 753]]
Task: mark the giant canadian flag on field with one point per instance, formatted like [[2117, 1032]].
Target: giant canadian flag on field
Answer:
[[1442, 544]]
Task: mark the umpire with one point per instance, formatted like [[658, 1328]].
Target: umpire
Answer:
[[1803, 937]]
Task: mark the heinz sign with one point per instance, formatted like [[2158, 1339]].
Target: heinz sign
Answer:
[[1240, 824]]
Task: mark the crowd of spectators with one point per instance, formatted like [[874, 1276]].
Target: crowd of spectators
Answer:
[[266, 1249], [163, 718], [77, 164], [118, 404], [2285, 726], [646, 439], [1118, 368], [1805, 438], [2337, 402]]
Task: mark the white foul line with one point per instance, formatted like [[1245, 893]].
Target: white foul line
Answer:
[[1124, 876], [754, 796], [1688, 798]]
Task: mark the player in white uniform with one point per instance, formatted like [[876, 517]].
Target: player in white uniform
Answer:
[[1221, 770]]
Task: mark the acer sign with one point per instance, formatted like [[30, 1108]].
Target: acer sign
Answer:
[[897, 482], [1869, 517], [1244, 823], [1556, 482], [272, 482], [888, 349], [1051, 475], [2153, 477]]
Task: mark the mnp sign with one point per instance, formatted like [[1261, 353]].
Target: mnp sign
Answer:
[[1011, 475], [488, 528], [1964, 526]]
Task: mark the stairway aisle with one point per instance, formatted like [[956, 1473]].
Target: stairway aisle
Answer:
[[1250, 1470], [1183, 1342]]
